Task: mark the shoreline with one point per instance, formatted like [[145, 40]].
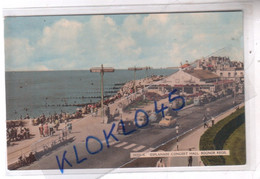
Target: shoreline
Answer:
[[22, 148], [107, 98], [126, 90]]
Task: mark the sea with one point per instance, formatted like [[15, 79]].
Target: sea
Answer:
[[48, 92]]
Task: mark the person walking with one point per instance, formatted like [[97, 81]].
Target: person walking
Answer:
[[205, 121], [160, 163], [212, 121], [41, 130], [51, 130], [46, 129], [92, 111], [189, 161], [96, 111], [69, 127], [57, 123]]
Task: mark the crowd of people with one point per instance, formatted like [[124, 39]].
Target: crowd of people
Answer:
[[24, 160], [17, 133], [129, 88], [56, 118], [48, 124]]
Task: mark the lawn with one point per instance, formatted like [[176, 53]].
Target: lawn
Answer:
[[236, 144], [136, 104], [220, 134]]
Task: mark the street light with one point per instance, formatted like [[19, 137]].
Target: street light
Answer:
[[236, 82], [177, 133], [102, 70], [135, 69]]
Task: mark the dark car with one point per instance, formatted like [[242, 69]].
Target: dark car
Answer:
[[128, 127]]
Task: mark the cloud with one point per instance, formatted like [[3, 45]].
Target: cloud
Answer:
[[42, 68], [131, 24], [99, 21], [18, 52], [61, 37], [125, 42], [160, 19], [145, 39], [107, 42], [151, 23]]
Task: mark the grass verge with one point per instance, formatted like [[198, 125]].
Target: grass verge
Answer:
[[237, 146], [215, 137]]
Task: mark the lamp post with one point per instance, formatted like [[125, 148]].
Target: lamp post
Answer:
[[236, 83], [135, 69], [102, 70], [177, 133]]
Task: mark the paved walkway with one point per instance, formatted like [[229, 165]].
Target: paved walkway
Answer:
[[83, 127], [192, 141]]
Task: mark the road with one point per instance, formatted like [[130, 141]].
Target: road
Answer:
[[118, 154]]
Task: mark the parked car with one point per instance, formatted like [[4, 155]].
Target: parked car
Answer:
[[167, 121], [153, 118], [128, 126], [197, 101], [141, 121]]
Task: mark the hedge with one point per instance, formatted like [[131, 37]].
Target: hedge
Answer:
[[215, 137]]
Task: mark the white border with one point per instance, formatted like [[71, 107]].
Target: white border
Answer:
[[63, 7], [130, 8]]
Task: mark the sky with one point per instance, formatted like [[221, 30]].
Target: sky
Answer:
[[41, 43]]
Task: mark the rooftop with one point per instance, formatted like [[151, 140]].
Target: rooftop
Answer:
[[202, 74]]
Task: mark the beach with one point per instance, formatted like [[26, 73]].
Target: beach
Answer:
[[88, 117]]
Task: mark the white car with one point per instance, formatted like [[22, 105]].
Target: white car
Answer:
[[167, 121]]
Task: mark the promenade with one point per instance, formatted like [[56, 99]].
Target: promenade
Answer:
[[88, 125], [94, 125], [81, 128]]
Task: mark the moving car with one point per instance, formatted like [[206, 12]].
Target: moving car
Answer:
[[167, 121], [128, 126]]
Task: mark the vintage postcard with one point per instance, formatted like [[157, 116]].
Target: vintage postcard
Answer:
[[125, 91]]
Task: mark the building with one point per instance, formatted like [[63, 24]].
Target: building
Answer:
[[228, 71], [195, 81], [214, 63]]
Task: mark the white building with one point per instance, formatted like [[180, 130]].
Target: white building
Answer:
[[230, 73], [191, 81]]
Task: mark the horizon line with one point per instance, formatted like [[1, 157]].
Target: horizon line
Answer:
[[81, 69]]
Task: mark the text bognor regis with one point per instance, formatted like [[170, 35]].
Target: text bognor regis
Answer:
[[109, 135]]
